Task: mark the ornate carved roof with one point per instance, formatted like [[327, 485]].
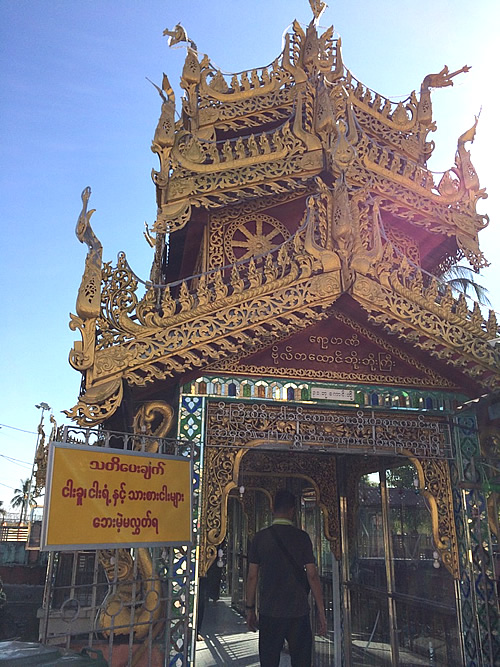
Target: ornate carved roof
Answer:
[[371, 221], [271, 130]]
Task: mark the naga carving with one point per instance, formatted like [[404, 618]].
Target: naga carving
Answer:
[[434, 483], [440, 80], [89, 294], [88, 301], [135, 601]]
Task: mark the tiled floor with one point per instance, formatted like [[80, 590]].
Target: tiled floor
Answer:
[[227, 640]]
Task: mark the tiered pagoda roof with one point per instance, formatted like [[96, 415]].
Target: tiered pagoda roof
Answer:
[[287, 194]]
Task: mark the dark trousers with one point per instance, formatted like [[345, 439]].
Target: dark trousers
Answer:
[[273, 631], [202, 601]]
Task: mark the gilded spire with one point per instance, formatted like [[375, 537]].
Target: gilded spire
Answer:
[[317, 7]]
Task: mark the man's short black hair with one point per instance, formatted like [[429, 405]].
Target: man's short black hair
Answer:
[[284, 501]]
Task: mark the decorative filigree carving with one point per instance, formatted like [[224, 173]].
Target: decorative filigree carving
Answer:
[[223, 470], [222, 219], [235, 432], [222, 475], [301, 428], [97, 404], [249, 141], [288, 93], [252, 235], [435, 484], [142, 343], [435, 325]]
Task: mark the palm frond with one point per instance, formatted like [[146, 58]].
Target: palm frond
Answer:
[[461, 279]]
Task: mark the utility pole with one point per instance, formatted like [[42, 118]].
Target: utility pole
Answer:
[[44, 407]]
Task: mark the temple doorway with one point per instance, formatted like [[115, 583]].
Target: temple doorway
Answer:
[[389, 597], [249, 509]]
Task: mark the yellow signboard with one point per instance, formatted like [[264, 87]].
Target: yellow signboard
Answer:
[[104, 498]]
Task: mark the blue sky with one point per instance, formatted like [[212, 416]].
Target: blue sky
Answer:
[[76, 110]]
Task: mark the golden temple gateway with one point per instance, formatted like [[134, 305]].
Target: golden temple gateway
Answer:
[[296, 331]]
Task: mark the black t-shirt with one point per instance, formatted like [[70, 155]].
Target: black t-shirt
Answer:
[[280, 592]]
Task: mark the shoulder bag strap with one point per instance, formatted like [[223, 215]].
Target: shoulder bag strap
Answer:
[[300, 574]]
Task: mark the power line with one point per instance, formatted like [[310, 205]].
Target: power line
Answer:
[[7, 487], [18, 429], [18, 461]]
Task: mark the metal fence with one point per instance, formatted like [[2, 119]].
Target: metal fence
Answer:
[[133, 604], [15, 532]]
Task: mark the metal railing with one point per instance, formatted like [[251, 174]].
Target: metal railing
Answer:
[[133, 604]]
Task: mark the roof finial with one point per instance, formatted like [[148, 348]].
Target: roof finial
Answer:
[[318, 7], [178, 35]]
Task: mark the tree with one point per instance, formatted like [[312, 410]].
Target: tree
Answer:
[[22, 498], [461, 279], [2, 510], [402, 477]]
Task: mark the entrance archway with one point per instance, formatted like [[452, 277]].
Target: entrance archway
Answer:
[[312, 479], [328, 455]]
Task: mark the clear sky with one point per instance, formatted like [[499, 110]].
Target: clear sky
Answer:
[[76, 110]]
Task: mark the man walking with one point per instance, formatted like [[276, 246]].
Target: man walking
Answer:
[[277, 558]]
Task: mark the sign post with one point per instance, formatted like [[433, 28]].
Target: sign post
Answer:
[[103, 498]]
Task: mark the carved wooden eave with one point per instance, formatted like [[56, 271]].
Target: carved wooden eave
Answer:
[[177, 328], [302, 129]]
